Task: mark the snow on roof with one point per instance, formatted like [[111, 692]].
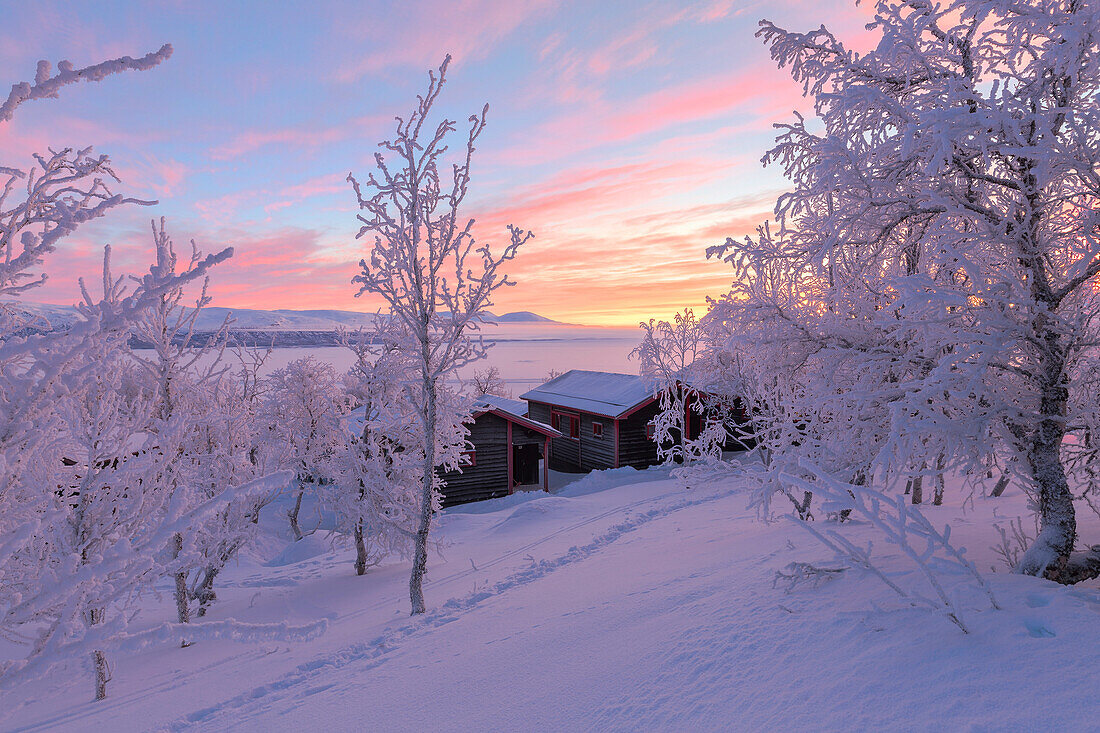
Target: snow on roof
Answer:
[[356, 420], [514, 407], [602, 393], [513, 410]]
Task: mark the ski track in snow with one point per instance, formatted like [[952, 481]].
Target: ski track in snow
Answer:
[[363, 650], [373, 653], [432, 583]]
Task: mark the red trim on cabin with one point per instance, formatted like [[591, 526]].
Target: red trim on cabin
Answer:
[[546, 465], [616, 460], [572, 434], [524, 421], [687, 417], [637, 407]]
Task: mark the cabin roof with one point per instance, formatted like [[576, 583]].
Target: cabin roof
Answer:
[[515, 407], [600, 393], [509, 409], [513, 410]]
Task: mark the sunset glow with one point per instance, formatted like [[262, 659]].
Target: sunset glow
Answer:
[[627, 137]]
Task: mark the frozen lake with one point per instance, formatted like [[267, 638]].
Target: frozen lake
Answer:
[[524, 353]]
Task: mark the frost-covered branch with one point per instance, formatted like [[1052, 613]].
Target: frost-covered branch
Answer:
[[434, 275]]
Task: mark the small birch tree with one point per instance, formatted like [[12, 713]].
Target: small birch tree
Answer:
[[374, 471], [434, 276], [305, 404]]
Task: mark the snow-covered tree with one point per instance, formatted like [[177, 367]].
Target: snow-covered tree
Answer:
[[935, 265], [668, 353], [433, 275], [175, 379], [373, 472], [305, 406], [196, 396], [39, 207], [84, 528], [230, 446]]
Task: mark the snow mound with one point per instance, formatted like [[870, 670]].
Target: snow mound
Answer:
[[307, 548], [611, 478], [531, 511]]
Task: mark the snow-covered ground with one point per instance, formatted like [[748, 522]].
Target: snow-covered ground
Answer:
[[622, 601]]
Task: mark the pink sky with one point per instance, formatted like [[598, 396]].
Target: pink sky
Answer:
[[626, 135]]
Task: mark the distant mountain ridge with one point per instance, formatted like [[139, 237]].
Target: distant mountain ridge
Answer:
[[521, 317], [249, 326]]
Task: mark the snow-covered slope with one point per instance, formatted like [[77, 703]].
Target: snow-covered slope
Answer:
[[622, 602]]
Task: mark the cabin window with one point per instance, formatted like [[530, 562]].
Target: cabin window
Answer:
[[569, 425], [597, 429], [650, 430], [469, 458]]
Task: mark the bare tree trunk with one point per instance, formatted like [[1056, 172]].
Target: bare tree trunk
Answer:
[[1049, 554], [293, 514], [1000, 486], [915, 487], [183, 610], [205, 594], [938, 491], [360, 549], [420, 553], [102, 674], [183, 613], [803, 509]]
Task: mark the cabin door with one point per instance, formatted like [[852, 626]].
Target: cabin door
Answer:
[[525, 465]]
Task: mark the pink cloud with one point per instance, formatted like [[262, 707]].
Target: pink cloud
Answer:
[[752, 96], [162, 177], [226, 208], [580, 197], [418, 33], [252, 140], [297, 137]]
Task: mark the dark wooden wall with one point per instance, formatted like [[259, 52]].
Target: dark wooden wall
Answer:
[[523, 436], [597, 453], [489, 478], [635, 449], [592, 453], [564, 451]]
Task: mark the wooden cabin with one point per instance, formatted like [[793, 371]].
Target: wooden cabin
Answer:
[[509, 453], [604, 418], [732, 411]]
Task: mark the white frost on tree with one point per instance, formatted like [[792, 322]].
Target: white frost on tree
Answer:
[[373, 473], [668, 353], [85, 528], [305, 406], [930, 293], [435, 278]]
